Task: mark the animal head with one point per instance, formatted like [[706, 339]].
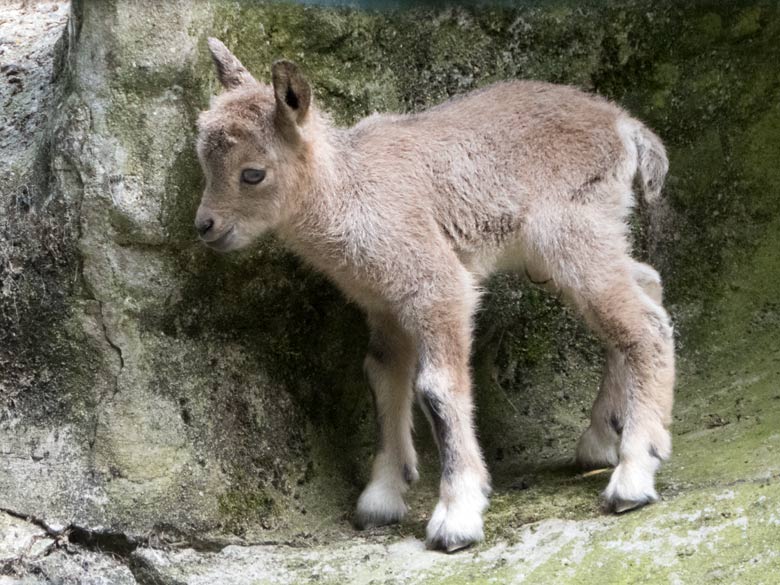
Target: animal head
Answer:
[[253, 151]]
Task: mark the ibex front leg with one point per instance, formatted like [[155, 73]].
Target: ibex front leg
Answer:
[[389, 367], [443, 390]]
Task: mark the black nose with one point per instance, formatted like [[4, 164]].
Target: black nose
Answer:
[[203, 226]]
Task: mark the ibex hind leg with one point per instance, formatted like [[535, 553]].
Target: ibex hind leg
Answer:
[[589, 263], [599, 444]]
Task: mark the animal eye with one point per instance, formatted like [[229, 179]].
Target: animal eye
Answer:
[[252, 176]]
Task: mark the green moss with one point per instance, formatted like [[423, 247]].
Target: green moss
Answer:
[[666, 74], [245, 506], [759, 153], [66, 388], [708, 28], [748, 22], [184, 185], [725, 535]]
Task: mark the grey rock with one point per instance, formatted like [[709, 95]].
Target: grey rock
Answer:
[[160, 395]]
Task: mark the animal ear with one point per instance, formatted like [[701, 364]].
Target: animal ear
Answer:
[[292, 91], [230, 71]]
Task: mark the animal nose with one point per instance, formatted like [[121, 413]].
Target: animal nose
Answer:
[[204, 225]]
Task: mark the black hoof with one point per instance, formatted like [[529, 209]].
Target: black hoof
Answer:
[[617, 505], [368, 521], [449, 545]]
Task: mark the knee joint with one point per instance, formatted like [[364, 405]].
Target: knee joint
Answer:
[[371, 365], [377, 350], [430, 389]]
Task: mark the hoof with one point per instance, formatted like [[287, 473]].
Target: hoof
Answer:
[[379, 506], [629, 488], [455, 527], [442, 544], [619, 505]]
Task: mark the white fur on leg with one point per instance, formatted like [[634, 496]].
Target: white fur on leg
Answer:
[[379, 504], [597, 448], [457, 520], [382, 500], [632, 485], [649, 280]]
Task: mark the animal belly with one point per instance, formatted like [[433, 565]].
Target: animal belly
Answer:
[[512, 257], [483, 262]]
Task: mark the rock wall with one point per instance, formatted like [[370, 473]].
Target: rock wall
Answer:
[[154, 389]]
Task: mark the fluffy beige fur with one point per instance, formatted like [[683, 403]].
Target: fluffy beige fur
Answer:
[[408, 213]]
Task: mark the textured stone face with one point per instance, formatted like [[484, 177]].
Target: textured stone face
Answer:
[[152, 386]]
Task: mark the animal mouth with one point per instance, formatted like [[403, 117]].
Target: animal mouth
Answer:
[[222, 243]]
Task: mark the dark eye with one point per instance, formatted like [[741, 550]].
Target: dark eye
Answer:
[[252, 176]]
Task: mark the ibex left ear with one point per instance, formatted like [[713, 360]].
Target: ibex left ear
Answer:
[[292, 91]]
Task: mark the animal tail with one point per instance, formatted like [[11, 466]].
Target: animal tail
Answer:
[[652, 162]]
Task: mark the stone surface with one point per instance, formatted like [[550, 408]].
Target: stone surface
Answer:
[[71, 567], [20, 539], [155, 393], [709, 535], [35, 553]]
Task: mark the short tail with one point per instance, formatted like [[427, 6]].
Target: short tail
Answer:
[[652, 162]]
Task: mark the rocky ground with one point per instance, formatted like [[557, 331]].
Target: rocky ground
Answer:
[[171, 417], [719, 522]]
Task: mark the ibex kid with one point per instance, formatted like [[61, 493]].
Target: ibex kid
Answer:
[[407, 214]]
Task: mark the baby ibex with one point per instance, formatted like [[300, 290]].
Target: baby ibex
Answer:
[[407, 214]]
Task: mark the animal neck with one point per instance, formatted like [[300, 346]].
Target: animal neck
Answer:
[[320, 199]]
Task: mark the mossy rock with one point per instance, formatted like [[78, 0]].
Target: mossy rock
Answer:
[[190, 393]]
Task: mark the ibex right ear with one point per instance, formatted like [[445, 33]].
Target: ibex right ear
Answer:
[[292, 92], [230, 71]]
